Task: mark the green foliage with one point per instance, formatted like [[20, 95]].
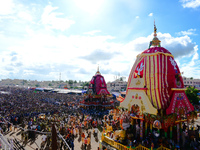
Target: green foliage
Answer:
[[86, 84], [191, 93], [50, 84], [37, 85], [70, 82]]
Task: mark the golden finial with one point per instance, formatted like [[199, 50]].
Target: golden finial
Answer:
[[155, 41], [155, 29], [98, 70]]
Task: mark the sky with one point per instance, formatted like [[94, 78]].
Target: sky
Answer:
[[39, 40]]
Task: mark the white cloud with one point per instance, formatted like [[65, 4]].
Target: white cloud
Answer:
[[92, 32], [188, 32], [190, 3], [137, 17], [71, 54], [6, 7], [150, 15], [176, 45], [51, 20], [42, 54], [191, 68], [25, 16]]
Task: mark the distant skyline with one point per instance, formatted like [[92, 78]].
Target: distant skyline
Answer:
[[41, 39]]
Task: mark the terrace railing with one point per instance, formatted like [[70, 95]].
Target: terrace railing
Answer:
[[4, 144], [119, 146]]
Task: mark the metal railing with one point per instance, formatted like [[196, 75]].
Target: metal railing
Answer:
[[60, 136], [4, 144], [119, 146], [162, 148]]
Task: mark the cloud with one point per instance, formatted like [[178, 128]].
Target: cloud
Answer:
[[25, 16], [83, 71], [77, 60], [39, 52], [99, 55], [14, 58], [13, 53], [92, 32], [150, 15], [52, 21], [137, 17], [191, 68], [6, 7], [176, 45], [188, 32], [190, 3]]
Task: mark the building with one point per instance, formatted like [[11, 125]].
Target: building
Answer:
[[191, 82], [117, 86]]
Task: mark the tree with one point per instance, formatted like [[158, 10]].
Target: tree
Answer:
[[70, 82], [50, 84], [85, 84], [191, 93]]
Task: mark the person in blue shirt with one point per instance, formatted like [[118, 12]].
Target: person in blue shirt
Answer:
[[72, 144]]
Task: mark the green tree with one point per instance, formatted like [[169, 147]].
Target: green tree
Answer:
[[70, 82], [37, 85], [191, 93], [85, 84], [75, 81], [50, 84]]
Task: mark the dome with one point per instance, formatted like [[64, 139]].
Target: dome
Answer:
[[155, 82], [161, 74]]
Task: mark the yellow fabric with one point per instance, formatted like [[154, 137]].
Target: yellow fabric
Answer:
[[166, 77], [144, 103], [153, 54], [160, 79], [152, 83], [148, 82], [156, 82]]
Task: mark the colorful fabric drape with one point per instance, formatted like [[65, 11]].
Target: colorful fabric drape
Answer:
[[160, 72]]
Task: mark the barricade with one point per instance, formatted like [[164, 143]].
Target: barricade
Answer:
[[4, 144], [140, 147], [119, 146], [162, 148]]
